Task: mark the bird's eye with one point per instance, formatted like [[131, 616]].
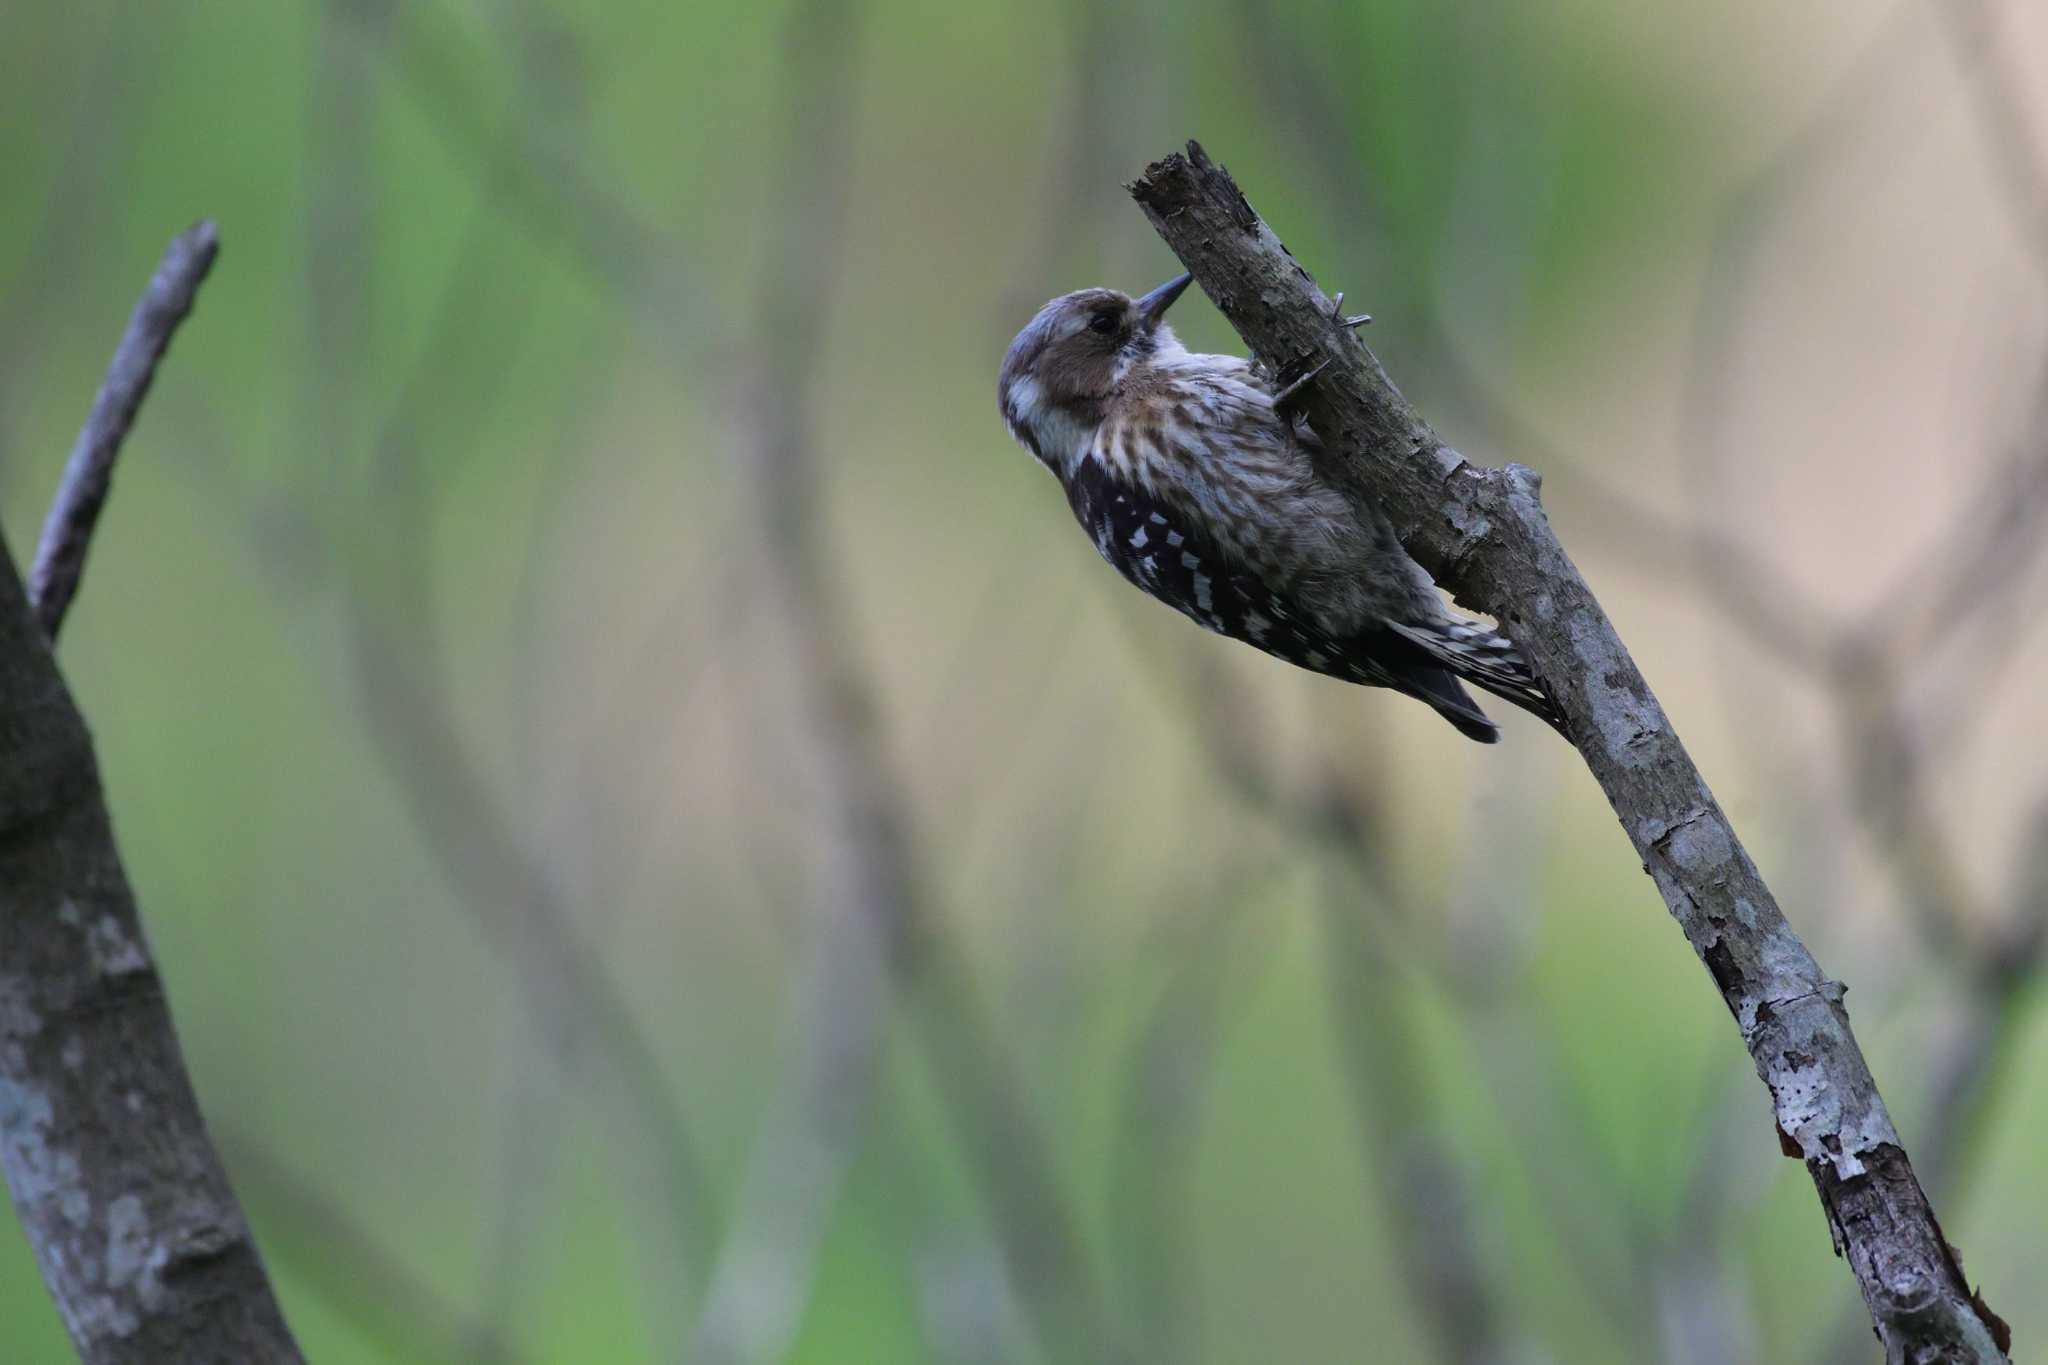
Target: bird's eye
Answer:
[[1105, 323]]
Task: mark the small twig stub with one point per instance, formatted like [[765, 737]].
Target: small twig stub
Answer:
[[89, 474]]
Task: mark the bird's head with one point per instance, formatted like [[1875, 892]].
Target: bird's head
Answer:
[[1061, 371]]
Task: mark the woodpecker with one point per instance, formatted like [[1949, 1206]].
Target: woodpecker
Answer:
[[1198, 487]]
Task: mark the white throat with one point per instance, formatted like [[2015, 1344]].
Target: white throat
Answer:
[[1060, 438]]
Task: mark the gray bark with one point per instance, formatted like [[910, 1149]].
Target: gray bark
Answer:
[[1482, 533], [124, 1201], [117, 1185]]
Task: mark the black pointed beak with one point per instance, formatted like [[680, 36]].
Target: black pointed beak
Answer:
[[1153, 306]]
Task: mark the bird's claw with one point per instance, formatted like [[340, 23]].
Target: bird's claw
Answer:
[[1298, 384]]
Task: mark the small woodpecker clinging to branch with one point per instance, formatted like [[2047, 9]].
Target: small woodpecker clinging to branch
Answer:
[[1197, 485]]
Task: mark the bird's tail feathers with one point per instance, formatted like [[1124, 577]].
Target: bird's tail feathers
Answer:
[[1441, 690], [1488, 660]]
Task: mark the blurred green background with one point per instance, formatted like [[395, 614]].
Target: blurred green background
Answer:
[[665, 844]]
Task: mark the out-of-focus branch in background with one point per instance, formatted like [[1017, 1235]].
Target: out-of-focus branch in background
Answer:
[[857, 926], [1412, 1168], [536, 180], [517, 886], [60, 234], [355, 1273], [876, 934]]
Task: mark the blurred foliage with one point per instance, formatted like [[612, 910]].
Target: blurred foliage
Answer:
[[452, 440]]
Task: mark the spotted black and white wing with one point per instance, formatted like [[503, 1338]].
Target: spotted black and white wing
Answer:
[[1485, 658], [1163, 553]]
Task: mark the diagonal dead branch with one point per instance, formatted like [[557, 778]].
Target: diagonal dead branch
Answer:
[[1483, 535]]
